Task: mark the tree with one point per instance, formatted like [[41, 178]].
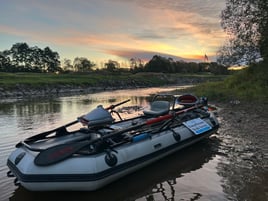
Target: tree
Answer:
[[36, 55], [112, 65], [82, 64], [246, 23], [217, 69], [159, 64], [19, 53], [133, 63], [67, 66], [22, 58], [51, 60], [263, 28], [4, 62]]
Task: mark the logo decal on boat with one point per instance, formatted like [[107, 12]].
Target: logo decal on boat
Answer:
[[198, 126], [63, 151]]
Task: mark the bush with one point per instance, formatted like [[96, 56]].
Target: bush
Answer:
[[248, 84]]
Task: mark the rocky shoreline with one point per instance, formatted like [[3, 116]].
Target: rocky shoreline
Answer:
[[58, 90], [242, 145]]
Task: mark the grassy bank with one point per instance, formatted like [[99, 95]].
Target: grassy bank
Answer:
[[41, 84], [36, 80], [250, 84]]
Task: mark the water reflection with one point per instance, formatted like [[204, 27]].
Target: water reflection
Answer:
[[159, 181], [232, 165], [38, 115], [23, 118]]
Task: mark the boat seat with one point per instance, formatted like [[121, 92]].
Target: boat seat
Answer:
[[157, 108], [97, 117]]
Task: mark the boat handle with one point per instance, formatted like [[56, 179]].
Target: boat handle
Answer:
[[16, 182], [10, 174], [156, 146]]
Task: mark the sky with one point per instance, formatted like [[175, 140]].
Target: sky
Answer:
[[119, 30]]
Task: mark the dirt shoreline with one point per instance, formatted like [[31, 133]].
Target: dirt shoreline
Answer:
[[249, 119], [243, 140]]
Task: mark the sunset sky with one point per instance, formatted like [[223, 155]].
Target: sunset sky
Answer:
[[115, 29]]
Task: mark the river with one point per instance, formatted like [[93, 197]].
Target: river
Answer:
[[227, 166]]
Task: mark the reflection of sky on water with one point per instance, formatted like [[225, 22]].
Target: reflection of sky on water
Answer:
[[23, 118]]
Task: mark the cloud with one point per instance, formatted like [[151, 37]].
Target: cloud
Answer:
[[147, 55], [209, 8], [170, 27], [174, 18]]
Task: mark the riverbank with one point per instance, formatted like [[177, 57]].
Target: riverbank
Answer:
[[24, 85], [243, 149]]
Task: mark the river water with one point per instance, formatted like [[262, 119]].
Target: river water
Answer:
[[223, 167]]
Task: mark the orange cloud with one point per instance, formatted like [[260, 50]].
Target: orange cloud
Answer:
[[173, 28]]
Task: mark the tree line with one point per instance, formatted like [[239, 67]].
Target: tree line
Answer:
[[23, 58], [168, 65]]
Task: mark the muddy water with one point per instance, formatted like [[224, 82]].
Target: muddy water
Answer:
[[231, 165]]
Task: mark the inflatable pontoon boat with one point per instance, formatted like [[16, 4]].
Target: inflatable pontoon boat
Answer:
[[105, 150]]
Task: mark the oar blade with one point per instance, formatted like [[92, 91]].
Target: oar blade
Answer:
[[58, 153]]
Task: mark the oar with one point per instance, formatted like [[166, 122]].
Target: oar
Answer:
[[114, 106], [44, 134], [61, 152]]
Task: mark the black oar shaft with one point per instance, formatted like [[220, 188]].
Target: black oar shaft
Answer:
[[114, 106]]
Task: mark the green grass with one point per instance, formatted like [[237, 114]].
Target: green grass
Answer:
[[11, 80], [37, 80], [250, 84]]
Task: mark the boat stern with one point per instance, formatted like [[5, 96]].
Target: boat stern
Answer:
[[20, 162]]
